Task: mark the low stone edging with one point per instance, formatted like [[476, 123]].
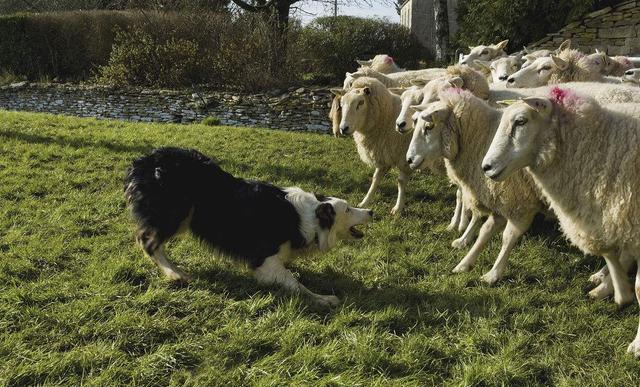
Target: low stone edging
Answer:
[[301, 109]]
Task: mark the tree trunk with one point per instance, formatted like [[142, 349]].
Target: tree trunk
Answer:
[[280, 37], [441, 22]]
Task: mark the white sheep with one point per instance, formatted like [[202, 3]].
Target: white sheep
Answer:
[[382, 63], [500, 68], [569, 66], [459, 128], [486, 53], [616, 66], [584, 158], [530, 57], [369, 111]]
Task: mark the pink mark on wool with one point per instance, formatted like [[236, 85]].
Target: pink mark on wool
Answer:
[[388, 59], [565, 98], [625, 62]]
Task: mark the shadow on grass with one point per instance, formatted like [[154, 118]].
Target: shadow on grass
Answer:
[[433, 307], [74, 142]]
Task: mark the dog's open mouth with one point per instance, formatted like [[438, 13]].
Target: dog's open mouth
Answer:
[[357, 234]]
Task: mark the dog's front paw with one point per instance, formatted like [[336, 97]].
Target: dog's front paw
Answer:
[[602, 291], [178, 275], [326, 301], [596, 278]]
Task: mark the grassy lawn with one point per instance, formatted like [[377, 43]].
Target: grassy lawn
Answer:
[[79, 303]]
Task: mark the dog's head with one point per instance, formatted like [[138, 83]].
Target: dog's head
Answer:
[[337, 220], [327, 218]]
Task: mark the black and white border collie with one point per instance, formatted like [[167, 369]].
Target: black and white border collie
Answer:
[[172, 190]]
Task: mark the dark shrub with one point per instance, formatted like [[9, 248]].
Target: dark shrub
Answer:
[[331, 45]]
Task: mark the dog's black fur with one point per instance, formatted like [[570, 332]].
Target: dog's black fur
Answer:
[[173, 188]]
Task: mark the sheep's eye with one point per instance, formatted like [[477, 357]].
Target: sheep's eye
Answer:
[[485, 52], [520, 121], [348, 209], [545, 68]]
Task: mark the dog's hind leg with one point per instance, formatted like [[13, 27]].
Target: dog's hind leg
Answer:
[[272, 271], [155, 250]]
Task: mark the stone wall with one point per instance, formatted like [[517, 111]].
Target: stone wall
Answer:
[[303, 109], [615, 30]]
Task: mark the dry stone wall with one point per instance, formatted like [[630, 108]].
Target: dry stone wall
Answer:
[[301, 109], [615, 30]]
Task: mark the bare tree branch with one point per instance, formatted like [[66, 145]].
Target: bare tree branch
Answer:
[[253, 8]]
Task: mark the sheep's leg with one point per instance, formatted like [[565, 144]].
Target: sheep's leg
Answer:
[[510, 236], [622, 293], [597, 277], [634, 347], [465, 217], [403, 178], [605, 289], [457, 214], [469, 233], [375, 181], [272, 271], [489, 228]]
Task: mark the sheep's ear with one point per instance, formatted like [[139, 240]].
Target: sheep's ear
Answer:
[[506, 102], [337, 91], [366, 91], [483, 64], [397, 90], [364, 62], [347, 74], [471, 47], [564, 45], [357, 75], [561, 64], [530, 58], [541, 105], [526, 50], [456, 82], [501, 45], [419, 82], [418, 108]]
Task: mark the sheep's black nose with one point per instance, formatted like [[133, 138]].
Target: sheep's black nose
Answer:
[[503, 77], [344, 130], [629, 72], [511, 80], [463, 62], [410, 160], [370, 212], [486, 167], [402, 124]]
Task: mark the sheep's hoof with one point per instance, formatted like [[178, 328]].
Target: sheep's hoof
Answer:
[[326, 301], [396, 210], [624, 299], [596, 278], [601, 292], [490, 278], [634, 347], [461, 268], [178, 275], [451, 226], [364, 203], [459, 243]]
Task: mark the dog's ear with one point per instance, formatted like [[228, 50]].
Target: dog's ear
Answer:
[[320, 197], [326, 215]]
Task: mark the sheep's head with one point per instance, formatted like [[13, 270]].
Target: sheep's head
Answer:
[[538, 73], [521, 138], [435, 87], [354, 104], [501, 68], [596, 63], [432, 137], [409, 97], [486, 53], [631, 77]]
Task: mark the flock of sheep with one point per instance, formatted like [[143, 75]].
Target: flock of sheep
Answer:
[[556, 132]]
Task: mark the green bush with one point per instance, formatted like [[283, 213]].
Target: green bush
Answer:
[[520, 21], [211, 121], [332, 44]]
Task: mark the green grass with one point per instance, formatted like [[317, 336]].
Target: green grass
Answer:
[[80, 304]]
